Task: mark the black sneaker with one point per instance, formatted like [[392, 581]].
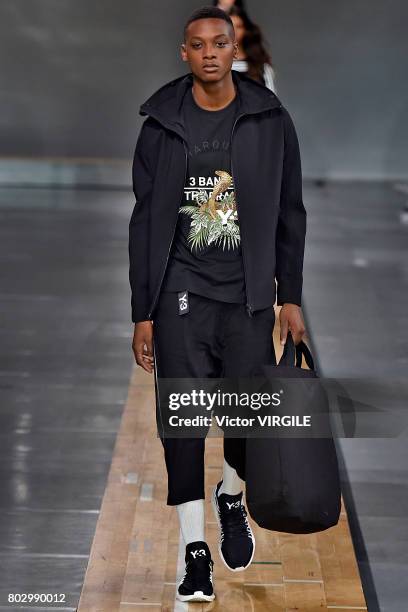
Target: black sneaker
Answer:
[[197, 582], [237, 541]]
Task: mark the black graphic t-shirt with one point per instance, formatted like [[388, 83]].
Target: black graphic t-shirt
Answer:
[[206, 256]]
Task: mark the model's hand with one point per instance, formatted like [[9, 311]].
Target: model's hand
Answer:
[[291, 319], [142, 345]]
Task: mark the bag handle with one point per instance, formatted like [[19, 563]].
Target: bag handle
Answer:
[[289, 353], [303, 349], [293, 354]]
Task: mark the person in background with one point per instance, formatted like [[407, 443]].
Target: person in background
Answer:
[[226, 5], [252, 58]]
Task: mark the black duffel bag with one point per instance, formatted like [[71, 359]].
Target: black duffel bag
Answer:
[[293, 484]]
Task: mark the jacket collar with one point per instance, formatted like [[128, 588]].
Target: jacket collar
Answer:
[[165, 104]]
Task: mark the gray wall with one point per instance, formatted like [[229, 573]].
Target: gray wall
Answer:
[[74, 72]]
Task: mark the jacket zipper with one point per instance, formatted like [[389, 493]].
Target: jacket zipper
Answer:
[[171, 242], [248, 302]]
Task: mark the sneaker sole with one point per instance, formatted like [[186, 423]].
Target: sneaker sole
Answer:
[[197, 596], [215, 508]]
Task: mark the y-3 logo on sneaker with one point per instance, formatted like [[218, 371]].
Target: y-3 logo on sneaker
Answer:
[[233, 504], [200, 552]]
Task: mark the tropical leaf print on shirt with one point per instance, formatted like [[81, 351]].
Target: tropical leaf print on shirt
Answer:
[[212, 219]]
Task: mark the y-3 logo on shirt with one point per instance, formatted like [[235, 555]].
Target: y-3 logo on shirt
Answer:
[[183, 302], [213, 217]]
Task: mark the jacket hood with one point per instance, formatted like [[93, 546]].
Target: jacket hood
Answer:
[[165, 104]]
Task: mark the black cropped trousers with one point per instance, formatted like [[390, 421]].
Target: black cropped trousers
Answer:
[[213, 340]]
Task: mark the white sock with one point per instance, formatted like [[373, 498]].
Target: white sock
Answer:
[[191, 517], [231, 482]]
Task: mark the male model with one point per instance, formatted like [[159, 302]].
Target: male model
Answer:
[[218, 217]]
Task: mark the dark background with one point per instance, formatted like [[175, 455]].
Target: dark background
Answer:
[[73, 74]]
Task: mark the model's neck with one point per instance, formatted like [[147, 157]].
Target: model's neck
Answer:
[[214, 95]]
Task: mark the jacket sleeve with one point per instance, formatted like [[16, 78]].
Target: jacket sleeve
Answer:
[[291, 228], [142, 178]]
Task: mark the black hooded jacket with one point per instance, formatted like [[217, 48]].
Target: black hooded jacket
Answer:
[[266, 169]]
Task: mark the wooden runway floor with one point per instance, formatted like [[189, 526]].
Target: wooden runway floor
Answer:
[[137, 554]]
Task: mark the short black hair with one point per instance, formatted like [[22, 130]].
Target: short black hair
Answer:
[[209, 12]]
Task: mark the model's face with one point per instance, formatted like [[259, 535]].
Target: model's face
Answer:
[[238, 27], [209, 48]]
